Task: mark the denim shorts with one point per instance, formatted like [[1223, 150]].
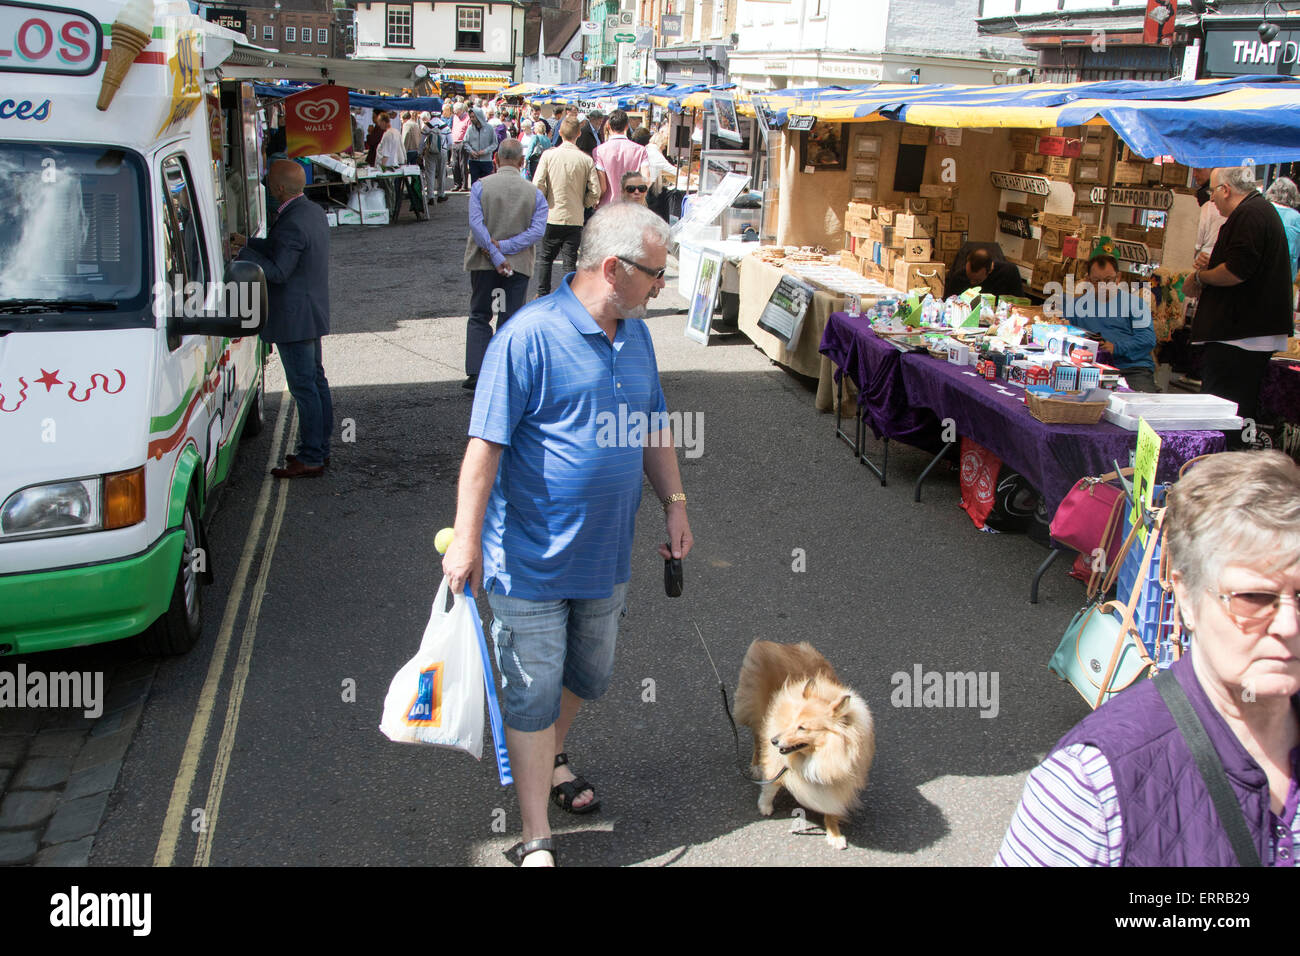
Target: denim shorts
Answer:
[[543, 647]]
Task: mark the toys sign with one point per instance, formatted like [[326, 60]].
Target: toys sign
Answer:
[[42, 39]]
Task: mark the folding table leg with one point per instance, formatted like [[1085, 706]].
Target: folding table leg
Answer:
[[855, 441], [879, 472], [930, 467], [1038, 575]]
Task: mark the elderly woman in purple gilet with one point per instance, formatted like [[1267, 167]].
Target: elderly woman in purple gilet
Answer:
[[1122, 788]]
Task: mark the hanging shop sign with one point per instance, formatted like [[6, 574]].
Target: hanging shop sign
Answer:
[[1034, 185], [1137, 198]]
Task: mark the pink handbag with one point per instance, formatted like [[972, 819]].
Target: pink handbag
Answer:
[[1090, 518]]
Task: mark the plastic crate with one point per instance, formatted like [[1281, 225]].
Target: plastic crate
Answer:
[[1154, 612]]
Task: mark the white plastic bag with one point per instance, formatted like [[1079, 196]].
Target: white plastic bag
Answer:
[[437, 696]]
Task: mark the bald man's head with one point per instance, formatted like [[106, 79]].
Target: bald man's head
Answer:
[[285, 179]]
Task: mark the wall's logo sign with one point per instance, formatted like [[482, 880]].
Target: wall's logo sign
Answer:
[[321, 111], [24, 110], [43, 39]]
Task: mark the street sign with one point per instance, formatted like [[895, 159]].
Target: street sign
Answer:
[[577, 55], [626, 19], [624, 38], [670, 25], [590, 28], [1138, 198], [1034, 185]]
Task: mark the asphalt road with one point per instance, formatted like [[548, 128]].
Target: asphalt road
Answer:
[[289, 769]]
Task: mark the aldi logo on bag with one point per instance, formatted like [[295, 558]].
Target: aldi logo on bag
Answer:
[[425, 709]]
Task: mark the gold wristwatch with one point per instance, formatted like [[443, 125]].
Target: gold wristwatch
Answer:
[[667, 502]]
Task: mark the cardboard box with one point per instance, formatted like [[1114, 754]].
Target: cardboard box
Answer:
[[1082, 194], [1028, 163], [914, 275], [1051, 239], [951, 241], [1042, 273], [864, 209], [960, 222], [1130, 173], [1151, 173], [946, 205], [1090, 217], [1028, 250], [856, 223], [1059, 167], [1024, 142], [349, 217], [374, 217], [878, 232], [917, 206], [1052, 220], [1062, 146], [1065, 377], [895, 239], [939, 190], [918, 250], [1022, 209], [1174, 174], [1129, 231], [915, 135], [1090, 149], [1155, 238], [886, 214], [849, 261], [1087, 171], [913, 226], [943, 222]]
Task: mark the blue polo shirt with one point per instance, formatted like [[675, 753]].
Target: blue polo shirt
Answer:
[[573, 410], [1120, 320]]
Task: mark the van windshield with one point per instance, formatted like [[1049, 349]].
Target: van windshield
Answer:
[[73, 244]]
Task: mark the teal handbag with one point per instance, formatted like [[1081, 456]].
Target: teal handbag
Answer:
[[1102, 651]]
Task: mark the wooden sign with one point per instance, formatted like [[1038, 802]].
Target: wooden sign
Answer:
[[798, 124], [1034, 185], [1138, 198], [1135, 252], [1015, 226]]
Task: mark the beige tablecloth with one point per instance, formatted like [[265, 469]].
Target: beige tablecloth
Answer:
[[758, 279]]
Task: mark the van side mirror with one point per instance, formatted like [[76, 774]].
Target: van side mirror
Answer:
[[240, 309]]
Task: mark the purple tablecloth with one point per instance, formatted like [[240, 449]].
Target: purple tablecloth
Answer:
[[1279, 396], [872, 364], [1051, 457]]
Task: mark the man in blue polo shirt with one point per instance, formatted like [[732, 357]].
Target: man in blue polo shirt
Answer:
[[548, 495]]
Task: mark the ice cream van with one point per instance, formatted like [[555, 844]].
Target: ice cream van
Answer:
[[129, 358]]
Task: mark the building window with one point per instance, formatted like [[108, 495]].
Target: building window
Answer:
[[399, 25], [290, 35], [469, 28], [322, 36], [268, 33], [719, 17]]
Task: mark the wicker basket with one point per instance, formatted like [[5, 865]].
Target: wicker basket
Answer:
[[938, 353], [1054, 411]]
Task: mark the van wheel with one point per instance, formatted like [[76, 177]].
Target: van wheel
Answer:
[[256, 419], [179, 628]]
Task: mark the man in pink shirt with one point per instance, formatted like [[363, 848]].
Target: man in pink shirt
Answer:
[[459, 161], [616, 156]]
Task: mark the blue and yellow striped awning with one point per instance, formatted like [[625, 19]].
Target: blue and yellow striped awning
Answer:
[[1201, 123]]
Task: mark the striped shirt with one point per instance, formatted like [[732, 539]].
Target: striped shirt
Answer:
[[573, 410], [1069, 815]]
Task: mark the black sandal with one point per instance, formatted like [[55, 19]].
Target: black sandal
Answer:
[[563, 794], [520, 851]]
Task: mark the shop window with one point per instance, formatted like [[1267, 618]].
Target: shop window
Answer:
[[399, 24], [469, 29]]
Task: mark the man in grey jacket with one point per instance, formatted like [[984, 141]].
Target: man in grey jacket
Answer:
[[295, 257], [480, 145], [507, 215]]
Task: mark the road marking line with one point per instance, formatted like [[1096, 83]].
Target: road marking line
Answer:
[[239, 679], [165, 854]]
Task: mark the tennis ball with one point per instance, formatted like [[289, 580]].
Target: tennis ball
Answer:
[[443, 540]]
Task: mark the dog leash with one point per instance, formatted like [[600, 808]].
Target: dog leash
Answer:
[[726, 707]]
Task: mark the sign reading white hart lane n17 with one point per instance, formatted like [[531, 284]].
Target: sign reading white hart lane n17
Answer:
[[1139, 198], [1034, 185]]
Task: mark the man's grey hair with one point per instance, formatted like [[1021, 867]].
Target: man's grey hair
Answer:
[[510, 151], [621, 229], [1284, 193], [1238, 179], [460, 106]]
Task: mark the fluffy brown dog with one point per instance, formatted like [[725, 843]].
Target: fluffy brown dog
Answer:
[[809, 725]]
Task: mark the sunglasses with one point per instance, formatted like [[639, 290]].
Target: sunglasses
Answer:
[[655, 274], [635, 189], [1252, 608]]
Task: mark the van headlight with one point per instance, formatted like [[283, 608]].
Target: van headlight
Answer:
[[61, 507]]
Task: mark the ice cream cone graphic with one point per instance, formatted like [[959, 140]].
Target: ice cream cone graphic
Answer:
[[131, 33]]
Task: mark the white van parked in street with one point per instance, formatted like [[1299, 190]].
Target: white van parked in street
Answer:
[[129, 357]]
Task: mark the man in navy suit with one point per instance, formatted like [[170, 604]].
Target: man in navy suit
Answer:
[[295, 258]]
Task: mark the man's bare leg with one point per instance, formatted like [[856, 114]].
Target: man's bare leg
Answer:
[[569, 704], [531, 757]]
